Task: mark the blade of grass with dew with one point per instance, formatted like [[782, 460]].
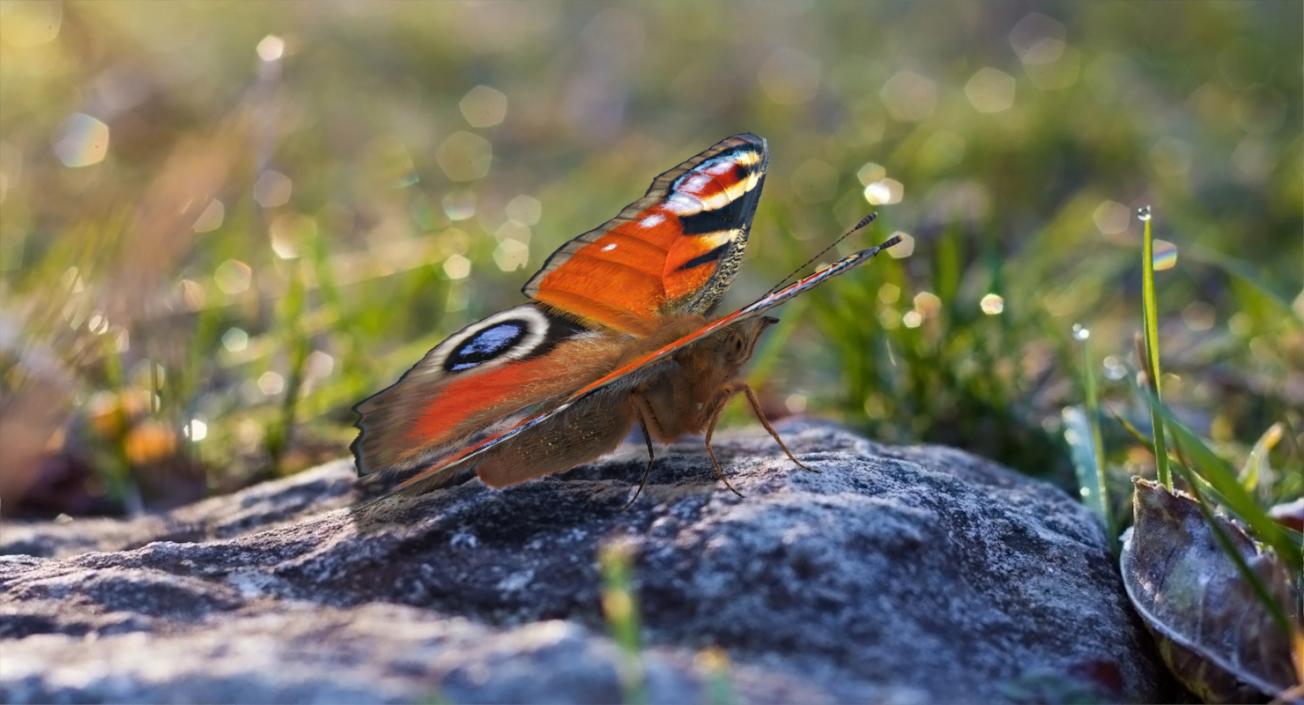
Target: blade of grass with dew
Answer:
[[1086, 448], [1150, 317], [1097, 442], [1222, 477], [1080, 434]]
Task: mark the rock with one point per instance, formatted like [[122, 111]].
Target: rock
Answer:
[[902, 575]]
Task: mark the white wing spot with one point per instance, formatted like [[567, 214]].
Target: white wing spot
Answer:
[[652, 220], [696, 182], [682, 204], [609, 247]]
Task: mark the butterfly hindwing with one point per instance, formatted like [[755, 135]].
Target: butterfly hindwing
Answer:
[[675, 250], [511, 361]]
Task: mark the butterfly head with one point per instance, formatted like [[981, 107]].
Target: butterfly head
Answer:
[[735, 345]]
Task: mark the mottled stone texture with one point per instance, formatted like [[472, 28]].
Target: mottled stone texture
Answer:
[[901, 575]]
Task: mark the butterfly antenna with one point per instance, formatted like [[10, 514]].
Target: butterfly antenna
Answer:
[[860, 224]]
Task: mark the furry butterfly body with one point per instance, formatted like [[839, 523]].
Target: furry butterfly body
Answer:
[[617, 335]]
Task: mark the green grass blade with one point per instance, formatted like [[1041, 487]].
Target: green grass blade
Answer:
[[1223, 478], [1097, 442], [1080, 434], [1150, 317], [1256, 464]]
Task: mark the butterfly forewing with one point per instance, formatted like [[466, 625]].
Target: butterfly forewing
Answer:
[[675, 250]]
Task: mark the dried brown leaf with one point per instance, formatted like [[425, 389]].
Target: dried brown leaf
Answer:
[[1214, 633]]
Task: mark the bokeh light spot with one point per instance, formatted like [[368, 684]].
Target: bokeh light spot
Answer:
[[457, 267], [870, 172], [928, 303], [884, 192], [1165, 255], [483, 106], [271, 383], [233, 277], [1037, 38], [271, 48], [31, 23], [1112, 217], [524, 209], [889, 293], [465, 156], [83, 141], [909, 96], [459, 205], [511, 255], [235, 340], [992, 304], [990, 90], [273, 189], [319, 365], [196, 430]]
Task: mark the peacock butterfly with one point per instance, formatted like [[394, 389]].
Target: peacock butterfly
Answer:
[[617, 332]]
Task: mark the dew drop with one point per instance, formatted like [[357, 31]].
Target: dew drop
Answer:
[[1081, 332], [1143, 214]]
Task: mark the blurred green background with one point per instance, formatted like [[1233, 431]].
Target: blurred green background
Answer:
[[223, 223]]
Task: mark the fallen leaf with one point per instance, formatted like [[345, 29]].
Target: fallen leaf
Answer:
[[1214, 633]]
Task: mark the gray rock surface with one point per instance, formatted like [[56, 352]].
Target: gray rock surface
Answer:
[[903, 575]]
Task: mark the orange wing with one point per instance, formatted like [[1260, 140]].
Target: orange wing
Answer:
[[675, 250]]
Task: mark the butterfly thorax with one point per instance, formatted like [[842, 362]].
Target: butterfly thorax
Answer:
[[684, 395]]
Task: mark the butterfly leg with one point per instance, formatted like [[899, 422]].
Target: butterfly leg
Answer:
[[760, 416], [718, 407], [641, 410]]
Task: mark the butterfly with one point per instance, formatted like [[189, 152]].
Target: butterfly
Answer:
[[617, 332]]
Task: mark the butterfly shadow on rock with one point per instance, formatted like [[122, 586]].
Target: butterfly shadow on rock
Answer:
[[603, 490]]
